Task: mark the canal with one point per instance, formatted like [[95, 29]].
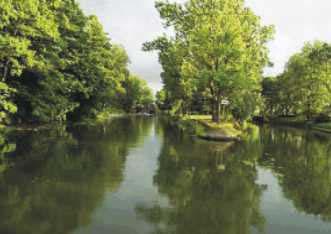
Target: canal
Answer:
[[139, 175]]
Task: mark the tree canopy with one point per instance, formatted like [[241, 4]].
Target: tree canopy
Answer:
[[56, 63], [219, 50], [304, 87], [136, 96]]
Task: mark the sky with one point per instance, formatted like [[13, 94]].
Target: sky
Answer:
[[133, 22]]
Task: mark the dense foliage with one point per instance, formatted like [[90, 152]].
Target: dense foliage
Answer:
[[56, 63], [137, 96], [304, 88], [218, 53]]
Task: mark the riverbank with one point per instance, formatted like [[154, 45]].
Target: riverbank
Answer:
[[322, 127], [202, 127], [300, 122], [100, 118]]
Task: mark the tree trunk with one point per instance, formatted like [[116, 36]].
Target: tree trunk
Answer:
[[216, 110], [5, 71]]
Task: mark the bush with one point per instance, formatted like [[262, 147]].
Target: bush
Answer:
[[322, 118]]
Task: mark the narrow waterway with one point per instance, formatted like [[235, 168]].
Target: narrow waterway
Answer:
[[139, 175]]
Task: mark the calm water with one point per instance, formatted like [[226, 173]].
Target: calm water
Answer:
[[138, 175]]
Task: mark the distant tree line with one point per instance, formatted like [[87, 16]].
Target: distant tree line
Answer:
[[304, 88], [58, 64]]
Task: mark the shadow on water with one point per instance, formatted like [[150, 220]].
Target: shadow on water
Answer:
[[53, 180]]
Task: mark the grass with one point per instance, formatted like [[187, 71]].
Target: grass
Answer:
[[224, 128], [101, 117], [198, 117], [106, 115], [300, 121], [205, 124], [297, 121], [324, 127]]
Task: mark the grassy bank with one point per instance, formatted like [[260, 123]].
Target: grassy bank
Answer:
[[323, 127], [101, 117], [297, 121], [203, 127], [301, 122]]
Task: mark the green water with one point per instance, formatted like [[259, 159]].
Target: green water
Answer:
[[139, 175]]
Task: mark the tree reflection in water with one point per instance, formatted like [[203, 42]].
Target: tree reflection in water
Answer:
[[58, 178], [53, 181], [211, 188], [302, 163]]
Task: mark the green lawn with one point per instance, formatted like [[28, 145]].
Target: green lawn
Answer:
[[324, 127], [225, 128], [198, 117]]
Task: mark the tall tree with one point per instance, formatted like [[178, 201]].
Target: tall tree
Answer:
[[56, 63], [22, 23], [179, 88], [225, 45], [305, 85], [137, 95]]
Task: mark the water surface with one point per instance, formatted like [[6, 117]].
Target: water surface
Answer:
[[139, 175]]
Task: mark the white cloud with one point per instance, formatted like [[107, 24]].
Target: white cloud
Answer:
[[296, 22]]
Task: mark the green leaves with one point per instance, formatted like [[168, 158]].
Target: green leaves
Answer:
[[304, 87], [219, 47], [6, 106], [136, 96], [60, 62]]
